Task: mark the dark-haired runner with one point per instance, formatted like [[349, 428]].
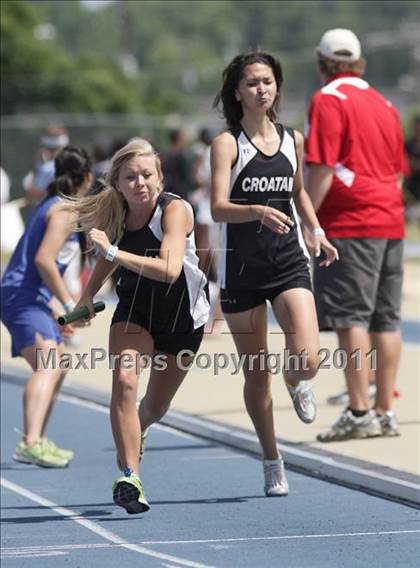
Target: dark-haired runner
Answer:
[[28, 309], [256, 176]]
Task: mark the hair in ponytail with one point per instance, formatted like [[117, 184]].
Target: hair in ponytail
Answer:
[[71, 166]]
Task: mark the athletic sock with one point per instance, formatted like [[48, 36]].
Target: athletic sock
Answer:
[[358, 413], [127, 472], [271, 462]]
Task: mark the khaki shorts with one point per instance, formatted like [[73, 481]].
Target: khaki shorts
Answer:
[[362, 289]]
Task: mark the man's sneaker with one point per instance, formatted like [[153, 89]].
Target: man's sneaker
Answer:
[[304, 401], [60, 452], [389, 424], [143, 439], [349, 426], [37, 454], [343, 399], [275, 482], [128, 493]]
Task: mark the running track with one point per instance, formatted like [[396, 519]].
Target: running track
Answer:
[[208, 507]]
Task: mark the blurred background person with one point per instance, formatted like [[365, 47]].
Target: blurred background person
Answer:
[[36, 181], [4, 187], [35, 184], [101, 163], [177, 166], [12, 226], [206, 234], [355, 154], [412, 181]]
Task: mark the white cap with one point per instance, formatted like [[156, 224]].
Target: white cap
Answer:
[[333, 42]]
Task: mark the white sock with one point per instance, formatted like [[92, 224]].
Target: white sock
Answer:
[[272, 462]]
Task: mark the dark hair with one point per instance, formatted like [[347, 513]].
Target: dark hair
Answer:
[[175, 136], [206, 136], [232, 109], [71, 166]]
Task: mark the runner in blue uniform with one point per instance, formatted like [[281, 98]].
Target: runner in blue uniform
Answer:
[[256, 185], [30, 287], [163, 304]]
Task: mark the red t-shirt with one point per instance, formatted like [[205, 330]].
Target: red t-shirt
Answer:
[[353, 129]]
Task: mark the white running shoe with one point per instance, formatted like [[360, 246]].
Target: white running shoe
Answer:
[[349, 426], [304, 401], [389, 424], [275, 482]]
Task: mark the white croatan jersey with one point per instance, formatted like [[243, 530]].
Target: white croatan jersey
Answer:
[[180, 306], [252, 256]]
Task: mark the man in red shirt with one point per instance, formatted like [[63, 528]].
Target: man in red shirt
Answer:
[[355, 157]]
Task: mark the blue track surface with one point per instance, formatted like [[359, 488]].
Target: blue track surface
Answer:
[[208, 507]]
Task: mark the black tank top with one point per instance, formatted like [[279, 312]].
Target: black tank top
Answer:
[[184, 302], [252, 256]]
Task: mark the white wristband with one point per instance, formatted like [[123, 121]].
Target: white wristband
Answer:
[[318, 232], [69, 306], [111, 253]]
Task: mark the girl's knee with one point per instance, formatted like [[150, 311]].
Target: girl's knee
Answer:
[[125, 381], [304, 366]]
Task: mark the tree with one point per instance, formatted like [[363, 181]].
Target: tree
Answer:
[[38, 75]]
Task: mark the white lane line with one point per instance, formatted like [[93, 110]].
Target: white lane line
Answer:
[[54, 547], [104, 533], [200, 458], [64, 547], [321, 463], [285, 537], [33, 555], [175, 432]]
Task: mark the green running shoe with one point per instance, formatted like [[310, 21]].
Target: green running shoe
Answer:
[[60, 452], [37, 454], [128, 493], [143, 439]]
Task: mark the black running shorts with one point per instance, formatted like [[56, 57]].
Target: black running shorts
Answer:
[[166, 339], [235, 301]]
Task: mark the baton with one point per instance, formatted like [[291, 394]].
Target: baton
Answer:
[[80, 313]]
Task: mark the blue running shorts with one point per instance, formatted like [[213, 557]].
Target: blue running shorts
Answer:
[[25, 322]]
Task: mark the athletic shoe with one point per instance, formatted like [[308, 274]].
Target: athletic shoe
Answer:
[[349, 426], [38, 454], [60, 452], [304, 401], [275, 478], [389, 424], [343, 399], [143, 439], [128, 493]]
